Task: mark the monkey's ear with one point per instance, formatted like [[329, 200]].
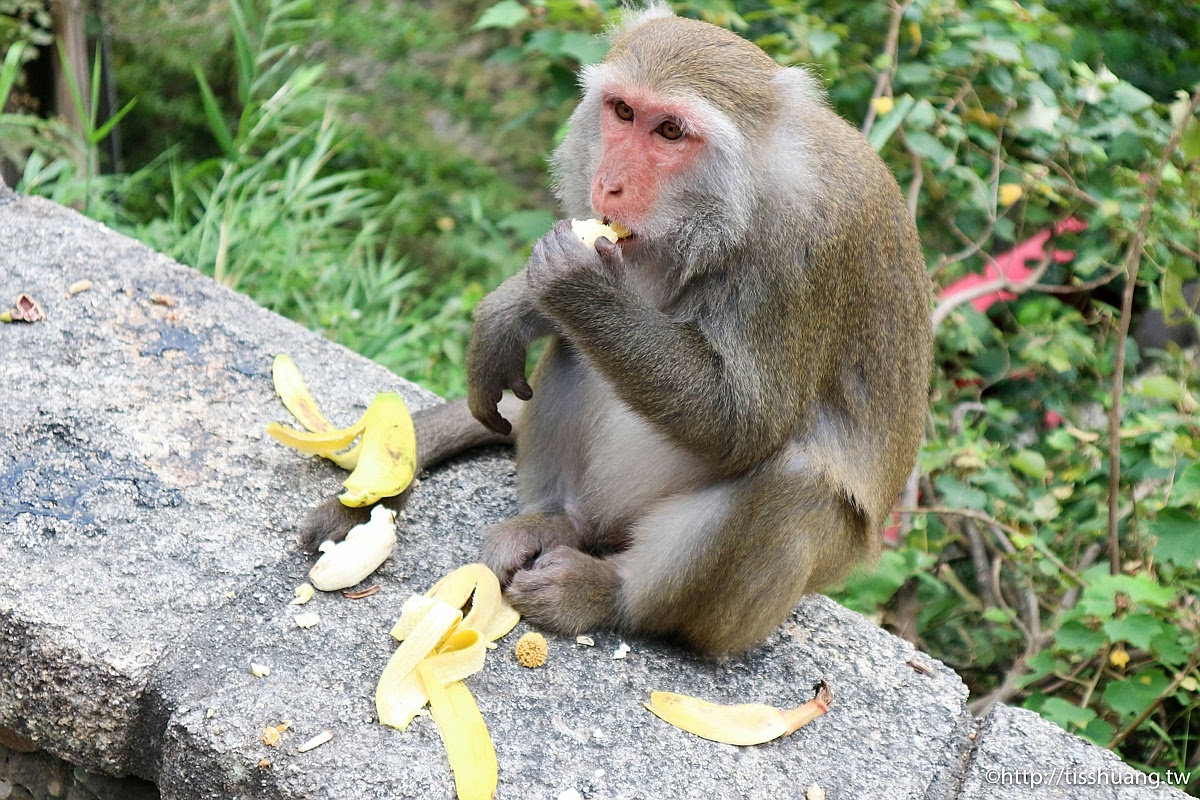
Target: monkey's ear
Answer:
[[799, 86]]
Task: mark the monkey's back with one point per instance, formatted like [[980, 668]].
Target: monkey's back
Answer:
[[863, 302]]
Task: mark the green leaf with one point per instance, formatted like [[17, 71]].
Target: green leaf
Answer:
[[10, 71], [1175, 307], [823, 41], [1178, 533], [1099, 596], [1046, 508], [1159, 387], [997, 615], [505, 14], [1186, 491], [244, 53], [1130, 98], [1030, 462], [1099, 732], [1042, 57], [528, 226], [110, 123], [583, 47], [1137, 629], [957, 494], [1066, 714], [1127, 148], [1134, 695], [929, 148], [1167, 646], [212, 113], [886, 125], [1076, 637], [1005, 51]]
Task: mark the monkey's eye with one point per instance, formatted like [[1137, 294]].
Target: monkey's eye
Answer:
[[623, 110], [669, 130]]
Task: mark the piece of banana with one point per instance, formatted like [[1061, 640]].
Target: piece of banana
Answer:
[[363, 551], [589, 230], [745, 724]]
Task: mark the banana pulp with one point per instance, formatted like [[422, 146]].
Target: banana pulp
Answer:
[[589, 230]]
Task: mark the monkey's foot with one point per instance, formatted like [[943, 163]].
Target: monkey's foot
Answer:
[[516, 543], [567, 591]]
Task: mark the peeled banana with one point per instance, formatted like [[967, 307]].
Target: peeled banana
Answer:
[[363, 550], [745, 724], [380, 448], [589, 230]]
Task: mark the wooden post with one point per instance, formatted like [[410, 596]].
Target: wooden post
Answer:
[[70, 28]]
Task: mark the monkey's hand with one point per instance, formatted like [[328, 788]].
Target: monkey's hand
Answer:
[[506, 321], [560, 254]]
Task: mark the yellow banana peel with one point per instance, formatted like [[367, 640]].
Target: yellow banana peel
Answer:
[[387, 456], [744, 724], [382, 454], [439, 648], [465, 735], [290, 386]]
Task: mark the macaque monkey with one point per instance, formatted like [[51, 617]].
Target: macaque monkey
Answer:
[[730, 399]]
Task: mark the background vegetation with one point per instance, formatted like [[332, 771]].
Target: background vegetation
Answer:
[[372, 168]]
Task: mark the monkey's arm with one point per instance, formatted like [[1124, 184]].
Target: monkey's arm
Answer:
[[723, 390], [506, 321]]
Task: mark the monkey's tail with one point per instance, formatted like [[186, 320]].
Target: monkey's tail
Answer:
[[443, 432]]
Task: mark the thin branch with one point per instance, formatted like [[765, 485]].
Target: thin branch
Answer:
[[1172, 687], [891, 47], [914, 189], [1180, 250], [979, 560], [1072, 288], [998, 528], [1133, 259]]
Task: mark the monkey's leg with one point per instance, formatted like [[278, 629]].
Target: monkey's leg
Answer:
[[442, 431], [720, 567]]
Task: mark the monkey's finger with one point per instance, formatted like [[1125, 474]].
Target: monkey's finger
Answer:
[[522, 389], [610, 254], [495, 422]]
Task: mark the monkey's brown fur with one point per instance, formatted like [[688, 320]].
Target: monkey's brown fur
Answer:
[[728, 406]]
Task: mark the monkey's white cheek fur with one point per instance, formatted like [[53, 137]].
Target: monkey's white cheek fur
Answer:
[[589, 230], [365, 547]]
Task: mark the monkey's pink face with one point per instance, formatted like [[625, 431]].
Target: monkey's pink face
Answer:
[[647, 140]]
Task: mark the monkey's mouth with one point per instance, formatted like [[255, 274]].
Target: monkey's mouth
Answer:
[[623, 232]]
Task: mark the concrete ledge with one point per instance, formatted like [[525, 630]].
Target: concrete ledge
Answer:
[[147, 557]]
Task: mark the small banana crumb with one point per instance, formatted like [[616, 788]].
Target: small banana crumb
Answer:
[[304, 593], [307, 620], [532, 650]]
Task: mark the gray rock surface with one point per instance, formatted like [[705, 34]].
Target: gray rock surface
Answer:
[[147, 557], [1019, 755]]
